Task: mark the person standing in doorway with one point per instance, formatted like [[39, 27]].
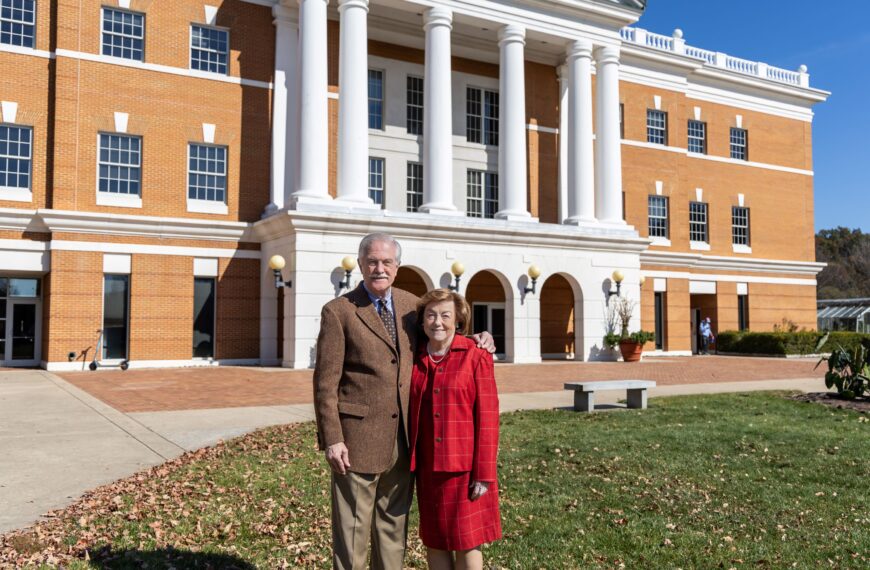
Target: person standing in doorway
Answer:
[[706, 333]]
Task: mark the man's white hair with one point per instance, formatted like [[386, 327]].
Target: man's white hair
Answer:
[[378, 237]]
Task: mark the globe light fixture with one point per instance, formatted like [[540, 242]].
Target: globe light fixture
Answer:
[[348, 263], [534, 272], [617, 277], [457, 269], [276, 264]]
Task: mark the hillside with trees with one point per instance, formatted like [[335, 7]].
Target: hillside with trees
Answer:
[[847, 253]]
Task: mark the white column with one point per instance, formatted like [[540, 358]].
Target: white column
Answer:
[[608, 157], [438, 114], [353, 122], [562, 73], [512, 154], [313, 182], [284, 116], [581, 176]]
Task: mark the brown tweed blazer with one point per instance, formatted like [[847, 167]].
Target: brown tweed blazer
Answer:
[[360, 379]]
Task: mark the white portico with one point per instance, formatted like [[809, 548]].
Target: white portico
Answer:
[[313, 230]]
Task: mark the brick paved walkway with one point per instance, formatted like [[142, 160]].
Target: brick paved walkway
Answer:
[[228, 387]]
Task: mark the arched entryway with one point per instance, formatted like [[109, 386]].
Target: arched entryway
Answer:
[[486, 295], [557, 319], [410, 279]]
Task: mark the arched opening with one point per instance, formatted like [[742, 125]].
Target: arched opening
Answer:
[[486, 296], [410, 280], [557, 319]]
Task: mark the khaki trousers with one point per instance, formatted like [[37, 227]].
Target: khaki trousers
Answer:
[[376, 506]]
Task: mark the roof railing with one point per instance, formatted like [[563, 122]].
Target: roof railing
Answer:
[[676, 44]]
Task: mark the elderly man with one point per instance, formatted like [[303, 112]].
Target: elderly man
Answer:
[[365, 353]]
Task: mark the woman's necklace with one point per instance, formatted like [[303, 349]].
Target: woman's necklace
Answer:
[[432, 357]]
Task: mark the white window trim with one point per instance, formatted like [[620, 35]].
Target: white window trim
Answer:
[[119, 200], [483, 90], [113, 199], [739, 248], [14, 193], [383, 188], [660, 241], [699, 245], [190, 50], [102, 22], [197, 206], [207, 207], [35, 30]]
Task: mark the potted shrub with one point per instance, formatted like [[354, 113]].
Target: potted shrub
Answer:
[[630, 344]]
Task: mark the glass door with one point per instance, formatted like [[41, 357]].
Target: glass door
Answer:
[[22, 337], [3, 334]]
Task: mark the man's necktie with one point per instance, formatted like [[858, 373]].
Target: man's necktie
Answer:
[[389, 322]]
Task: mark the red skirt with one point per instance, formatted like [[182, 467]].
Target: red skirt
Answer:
[[448, 519]]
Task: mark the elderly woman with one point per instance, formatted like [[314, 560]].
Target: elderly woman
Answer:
[[454, 436]]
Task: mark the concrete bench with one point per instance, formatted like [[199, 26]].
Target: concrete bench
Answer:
[[584, 392]]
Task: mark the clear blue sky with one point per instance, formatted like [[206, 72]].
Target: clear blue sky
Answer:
[[833, 41]]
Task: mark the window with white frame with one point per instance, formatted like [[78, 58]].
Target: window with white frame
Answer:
[[123, 34], [18, 22], [207, 173], [739, 144], [656, 126], [697, 137], [415, 186], [739, 225], [376, 99], [120, 164], [482, 194], [209, 49], [376, 180], [16, 153], [657, 208], [415, 105], [698, 221], [481, 116]]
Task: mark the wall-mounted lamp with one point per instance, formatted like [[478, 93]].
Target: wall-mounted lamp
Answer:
[[457, 269], [276, 264], [348, 263], [534, 273], [617, 277], [642, 280]]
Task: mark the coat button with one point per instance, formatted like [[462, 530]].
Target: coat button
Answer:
[[393, 361], [436, 390], [437, 414], [437, 440], [440, 369], [400, 384], [395, 416]]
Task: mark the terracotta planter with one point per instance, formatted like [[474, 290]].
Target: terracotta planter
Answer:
[[630, 350]]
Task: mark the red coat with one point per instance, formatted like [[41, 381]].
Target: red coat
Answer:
[[464, 409]]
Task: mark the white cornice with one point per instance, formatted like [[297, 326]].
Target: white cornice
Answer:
[[20, 220], [143, 226], [453, 229], [720, 263]]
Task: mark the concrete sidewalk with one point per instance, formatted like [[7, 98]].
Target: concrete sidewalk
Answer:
[[58, 441]]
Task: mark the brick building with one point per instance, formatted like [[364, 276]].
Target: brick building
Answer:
[[155, 155]]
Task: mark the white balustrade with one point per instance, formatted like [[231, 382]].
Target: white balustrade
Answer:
[[676, 44]]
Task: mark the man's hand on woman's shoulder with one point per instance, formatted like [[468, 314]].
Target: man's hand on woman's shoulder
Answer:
[[485, 341]]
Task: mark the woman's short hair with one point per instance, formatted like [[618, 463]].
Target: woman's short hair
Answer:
[[463, 311]]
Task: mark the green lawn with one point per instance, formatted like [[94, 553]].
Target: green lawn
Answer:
[[726, 481]]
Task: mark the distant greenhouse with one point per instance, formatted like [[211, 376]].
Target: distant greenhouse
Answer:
[[844, 315]]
